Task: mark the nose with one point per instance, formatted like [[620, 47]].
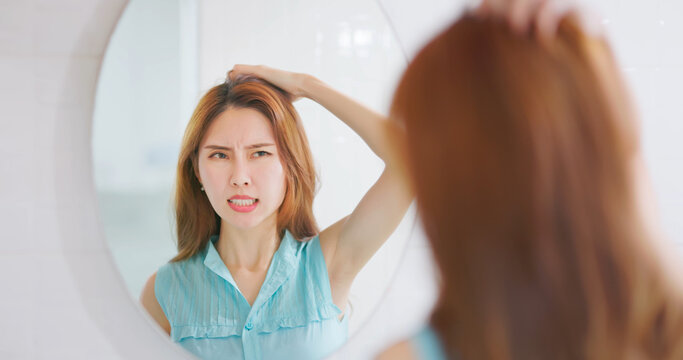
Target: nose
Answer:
[[239, 181], [240, 175]]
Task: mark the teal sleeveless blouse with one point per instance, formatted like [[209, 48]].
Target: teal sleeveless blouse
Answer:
[[293, 316]]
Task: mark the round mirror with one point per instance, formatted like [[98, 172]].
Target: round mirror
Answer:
[[164, 55]]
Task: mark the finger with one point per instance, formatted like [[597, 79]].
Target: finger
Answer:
[[551, 16], [522, 13], [239, 69], [548, 20], [483, 10], [590, 20], [234, 72]]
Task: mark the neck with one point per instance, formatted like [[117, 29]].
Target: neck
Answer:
[[250, 249]]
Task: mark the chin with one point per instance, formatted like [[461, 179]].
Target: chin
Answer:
[[243, 221]]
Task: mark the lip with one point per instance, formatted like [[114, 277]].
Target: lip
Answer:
[[243, 209], [241, 197]]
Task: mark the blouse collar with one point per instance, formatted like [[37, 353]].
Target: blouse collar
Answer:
[[281, 266]]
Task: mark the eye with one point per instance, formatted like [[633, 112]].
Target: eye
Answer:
[[218, 155], [260, 153]]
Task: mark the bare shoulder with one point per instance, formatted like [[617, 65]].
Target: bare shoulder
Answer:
[[149, 301], [400, 351]]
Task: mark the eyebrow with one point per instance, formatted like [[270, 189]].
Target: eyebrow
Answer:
[[254, 146]]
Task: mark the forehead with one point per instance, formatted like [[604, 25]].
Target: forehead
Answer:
[[239, 126]]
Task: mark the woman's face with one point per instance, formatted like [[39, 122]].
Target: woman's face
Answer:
[[240, 169]]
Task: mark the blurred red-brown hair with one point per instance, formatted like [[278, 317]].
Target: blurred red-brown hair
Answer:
[[521, 155], [196, 220]]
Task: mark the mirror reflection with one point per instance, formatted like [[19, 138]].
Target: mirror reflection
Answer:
[[268, 209]]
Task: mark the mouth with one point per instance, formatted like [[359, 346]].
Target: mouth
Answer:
[[243, 205], [243, 202]]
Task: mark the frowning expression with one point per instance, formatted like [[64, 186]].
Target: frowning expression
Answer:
[[240, 169]]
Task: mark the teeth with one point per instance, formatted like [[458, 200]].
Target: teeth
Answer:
[[240, 202]]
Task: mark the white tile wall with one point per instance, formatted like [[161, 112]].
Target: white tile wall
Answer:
[[61, 296]]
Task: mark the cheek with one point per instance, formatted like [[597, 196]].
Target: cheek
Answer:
[[213, 176], [274, 174]]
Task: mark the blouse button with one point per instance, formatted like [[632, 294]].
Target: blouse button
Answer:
[[249, 326]]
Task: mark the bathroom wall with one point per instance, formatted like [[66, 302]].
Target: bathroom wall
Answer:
[[62, 297]]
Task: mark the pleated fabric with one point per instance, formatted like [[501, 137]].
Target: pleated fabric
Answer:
[[293, 316]]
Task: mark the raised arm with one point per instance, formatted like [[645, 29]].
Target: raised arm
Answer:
[[354, 239], [350, 242]]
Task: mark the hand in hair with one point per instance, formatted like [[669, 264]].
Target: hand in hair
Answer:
[[290, 82], [543, 16]]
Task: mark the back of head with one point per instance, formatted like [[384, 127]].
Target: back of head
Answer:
[[521, 154], [196, 220]]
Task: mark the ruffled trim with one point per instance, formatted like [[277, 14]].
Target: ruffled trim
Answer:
[[179, 333], [325, 312]]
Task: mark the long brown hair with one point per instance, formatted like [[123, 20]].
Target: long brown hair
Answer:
[[521, 155], [196, 219]]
